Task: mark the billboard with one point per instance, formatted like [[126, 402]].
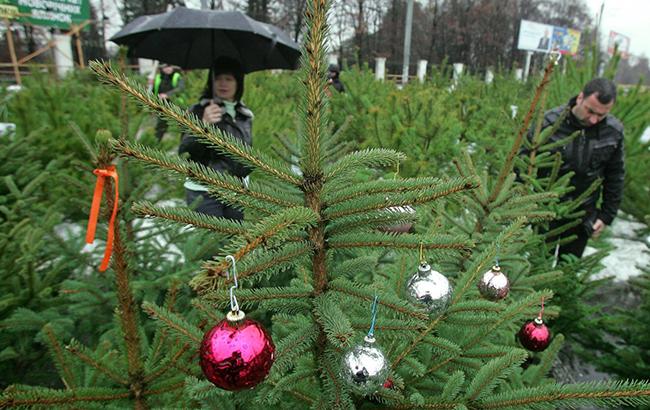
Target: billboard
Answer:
[[51, 13], [620, 40], [544, 38]]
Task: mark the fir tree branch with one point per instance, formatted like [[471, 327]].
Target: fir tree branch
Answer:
[[224, 182], [164, 388], [374, 220], [395, 304], [207, 310], [363, 325], [550, 396], [537, 373], [509, 313], [408, 197], [333, 321], [167, 364], [368, 158], [296, 394], [253, 296], [484, 260], [507, 165], [189, 217], [211, 134], [126, 304], [453, 386], [78, 351], [59, 358], [264, 231], [336, 193], [492, 372], [13, 397], [430, 404], [272, 261], [292, 347], [174, 322], [403, 241], [313, 71]]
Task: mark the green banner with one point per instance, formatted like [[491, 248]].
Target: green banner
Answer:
[[52, 13]]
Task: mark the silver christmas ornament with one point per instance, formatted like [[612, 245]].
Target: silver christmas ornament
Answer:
[[365, 367], [494, 284], [429, 288]]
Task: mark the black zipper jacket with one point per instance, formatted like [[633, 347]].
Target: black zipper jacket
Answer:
[[597, 152], [239, 127]]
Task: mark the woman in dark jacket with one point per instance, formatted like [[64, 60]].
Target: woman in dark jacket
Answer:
[[221, 106]]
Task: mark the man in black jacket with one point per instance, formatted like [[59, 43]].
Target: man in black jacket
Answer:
[[597, 153]]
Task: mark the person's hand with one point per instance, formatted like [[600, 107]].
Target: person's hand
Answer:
[[212, 113], [163, 96], [598, 226]]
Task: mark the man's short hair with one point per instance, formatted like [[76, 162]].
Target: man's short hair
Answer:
[[604, 89]]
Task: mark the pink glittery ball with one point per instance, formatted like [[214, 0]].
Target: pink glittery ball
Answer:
[[237, 355], [534, 335]]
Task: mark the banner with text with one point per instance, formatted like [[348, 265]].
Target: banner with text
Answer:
[[544, 38], [51, 13]]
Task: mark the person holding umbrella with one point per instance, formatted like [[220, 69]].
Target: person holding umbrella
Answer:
[[219, 105]]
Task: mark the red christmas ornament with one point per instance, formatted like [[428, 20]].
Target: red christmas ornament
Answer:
[[534, 335], [237, 353], [388, 384]]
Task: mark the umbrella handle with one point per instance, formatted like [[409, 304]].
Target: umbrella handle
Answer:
[[274, 41]]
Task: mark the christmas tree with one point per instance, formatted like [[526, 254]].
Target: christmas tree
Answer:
[[359, 316]]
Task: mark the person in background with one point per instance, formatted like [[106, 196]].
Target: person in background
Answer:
[[597, 152], [221, 106], [167, 84], [333, 79]]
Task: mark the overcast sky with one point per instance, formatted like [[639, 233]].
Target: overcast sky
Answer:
[[629, 17]]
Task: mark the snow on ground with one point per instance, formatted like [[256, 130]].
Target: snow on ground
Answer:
[[630, 251]]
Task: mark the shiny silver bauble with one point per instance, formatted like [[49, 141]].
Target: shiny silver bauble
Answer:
[[494, 285], [429, 289], [365, 368]]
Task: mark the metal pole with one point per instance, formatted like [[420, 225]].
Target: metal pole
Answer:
[[529, 54], [407, 41]]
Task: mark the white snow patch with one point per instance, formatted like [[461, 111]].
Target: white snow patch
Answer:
[[645, 137], [630, 252]]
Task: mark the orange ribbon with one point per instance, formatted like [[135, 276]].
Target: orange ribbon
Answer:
[[102, 174]]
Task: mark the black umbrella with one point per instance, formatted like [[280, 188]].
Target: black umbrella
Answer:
[[192, 38]]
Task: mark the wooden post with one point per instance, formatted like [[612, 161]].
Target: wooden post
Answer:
[[12, 52], [80, 52]]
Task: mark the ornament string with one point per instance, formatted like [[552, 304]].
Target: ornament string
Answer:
[[102, 174], [396, 171], [541, 312], [422, 252], [234, 306], [496, 257], [371, 332]]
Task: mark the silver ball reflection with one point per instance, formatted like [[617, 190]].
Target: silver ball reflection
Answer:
[[365, 367], [430, 289], [494, 284]]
